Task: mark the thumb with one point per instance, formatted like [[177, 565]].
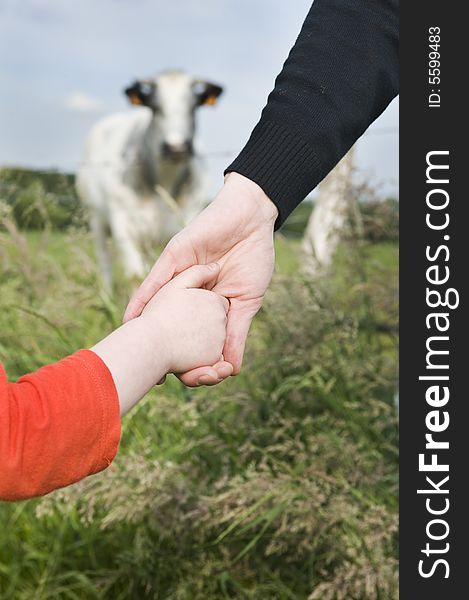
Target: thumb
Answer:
[[196, 276], [239, 321]]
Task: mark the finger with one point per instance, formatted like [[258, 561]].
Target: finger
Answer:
[[237, 328], [223, 368], [161, 381], [196, 276], [225, 303], [207, 375], [162, 271]]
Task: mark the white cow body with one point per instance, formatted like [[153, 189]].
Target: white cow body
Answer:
[[328, 222], [134, 191]]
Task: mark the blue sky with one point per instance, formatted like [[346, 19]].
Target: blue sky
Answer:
[[64, 63]]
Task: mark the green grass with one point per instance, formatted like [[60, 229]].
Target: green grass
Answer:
[[278, 484]]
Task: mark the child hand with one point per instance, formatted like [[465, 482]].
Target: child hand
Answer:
[[191, 321]]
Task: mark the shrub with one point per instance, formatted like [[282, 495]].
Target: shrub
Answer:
[[379, 218], [41, 199]]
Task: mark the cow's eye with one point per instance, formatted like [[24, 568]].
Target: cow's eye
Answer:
[[146, 89], [199, 91]]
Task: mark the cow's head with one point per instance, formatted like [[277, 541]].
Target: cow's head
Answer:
[[173, 97]]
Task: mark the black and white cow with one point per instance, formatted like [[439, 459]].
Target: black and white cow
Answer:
[[140, 177]]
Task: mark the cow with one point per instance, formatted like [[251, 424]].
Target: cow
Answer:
[[140, 178], [329, 222]]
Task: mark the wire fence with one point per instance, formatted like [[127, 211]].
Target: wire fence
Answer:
[[204, 155]]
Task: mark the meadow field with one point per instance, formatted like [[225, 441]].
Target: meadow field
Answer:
[[279, 484]]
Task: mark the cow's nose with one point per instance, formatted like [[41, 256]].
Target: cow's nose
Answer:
[[177, 150]]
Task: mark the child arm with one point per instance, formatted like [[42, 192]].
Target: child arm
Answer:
[[57, 425], [62, 422]]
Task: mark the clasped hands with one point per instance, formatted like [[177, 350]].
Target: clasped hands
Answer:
[[228, 249]]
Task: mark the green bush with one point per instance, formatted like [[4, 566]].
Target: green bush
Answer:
[[41, 199], [379, 218]]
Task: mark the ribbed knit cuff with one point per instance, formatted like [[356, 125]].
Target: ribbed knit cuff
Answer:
[[281, 163]]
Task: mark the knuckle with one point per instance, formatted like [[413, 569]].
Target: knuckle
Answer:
[[138, 298]]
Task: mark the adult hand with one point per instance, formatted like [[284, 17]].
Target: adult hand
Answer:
[[236, 231]]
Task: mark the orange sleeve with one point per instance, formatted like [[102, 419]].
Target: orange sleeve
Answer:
[[57, 425]]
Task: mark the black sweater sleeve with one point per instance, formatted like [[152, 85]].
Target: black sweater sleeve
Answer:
[[340, 75]]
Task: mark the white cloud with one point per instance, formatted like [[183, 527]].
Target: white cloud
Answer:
[[82, 102]]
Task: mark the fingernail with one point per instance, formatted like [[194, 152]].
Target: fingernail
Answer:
[[212, 266], [204, 379]]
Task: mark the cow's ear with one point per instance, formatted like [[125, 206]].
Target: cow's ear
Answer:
[[140, 93], [207, 92]]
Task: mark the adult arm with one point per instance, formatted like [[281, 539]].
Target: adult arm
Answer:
[[340, 75]]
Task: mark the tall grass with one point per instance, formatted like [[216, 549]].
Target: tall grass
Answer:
[[278, 484]]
